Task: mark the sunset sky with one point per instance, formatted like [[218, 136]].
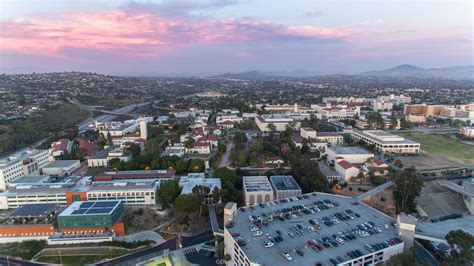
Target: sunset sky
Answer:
[[210, 37]]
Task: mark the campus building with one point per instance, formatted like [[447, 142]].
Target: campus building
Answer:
[[24, 162], [279, 122], [284, 186], [102, 158], [92, 216], [61, 168], [364, 236], [257, 189], [135, 175], [386, 142]]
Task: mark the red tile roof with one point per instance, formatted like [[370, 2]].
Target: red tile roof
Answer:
[[345, 164]]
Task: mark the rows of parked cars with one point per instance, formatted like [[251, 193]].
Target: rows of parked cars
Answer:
[[381, 245]]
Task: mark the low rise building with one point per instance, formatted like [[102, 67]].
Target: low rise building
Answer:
[[351, 154], [61, 168], [284, 186], [277, 122], [386, 142], [102, 158], [257, 189], [189, 183]]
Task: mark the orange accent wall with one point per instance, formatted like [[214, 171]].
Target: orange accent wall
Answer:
[[27, 230], [69, 195], [118, 228]]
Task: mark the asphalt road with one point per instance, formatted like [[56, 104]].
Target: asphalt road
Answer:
[[170, 244], [225, 162], [13, 261]]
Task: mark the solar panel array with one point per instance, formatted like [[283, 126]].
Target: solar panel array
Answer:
[[99, 207]]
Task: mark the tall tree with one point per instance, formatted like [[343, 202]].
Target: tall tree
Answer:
[[168, 192], [407, 188], [186, 203]]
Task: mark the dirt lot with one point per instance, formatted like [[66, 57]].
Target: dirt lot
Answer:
[[140, 219], [386, 206], [426, 161]]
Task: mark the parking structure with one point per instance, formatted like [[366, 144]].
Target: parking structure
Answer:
[[311, 229]]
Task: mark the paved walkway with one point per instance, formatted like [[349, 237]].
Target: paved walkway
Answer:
[[143, 235]]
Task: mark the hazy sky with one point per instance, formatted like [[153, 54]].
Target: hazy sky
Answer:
[[211, 36]]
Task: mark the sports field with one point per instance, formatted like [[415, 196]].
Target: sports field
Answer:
[[446, 146], [78, 256]]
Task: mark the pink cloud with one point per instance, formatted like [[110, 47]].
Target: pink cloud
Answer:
[[122, 31]]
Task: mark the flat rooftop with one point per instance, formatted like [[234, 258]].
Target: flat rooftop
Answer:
[[34, 210], [256, 183], [442, 228], [81, 208], [122, 185], [31, 179], [256, 252], [349, 150], [284, 182], [61, 163]]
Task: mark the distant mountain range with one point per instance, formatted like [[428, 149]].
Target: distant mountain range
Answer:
[[457, 72]]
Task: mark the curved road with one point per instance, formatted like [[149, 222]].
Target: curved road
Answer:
[[170, 244]]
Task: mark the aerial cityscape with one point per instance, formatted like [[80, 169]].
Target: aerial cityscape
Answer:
[[229, 132]]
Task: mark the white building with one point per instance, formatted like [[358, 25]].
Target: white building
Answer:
[[386, 142], [130, 192], [467, 131], [351, 154], [339, 111], [24, 162], [280, 122], [61, 168], [120, 128], [23, 194], [102, 158], [257, 189], [189, 182]]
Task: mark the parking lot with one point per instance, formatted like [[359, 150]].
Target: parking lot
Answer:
[[312, 228]]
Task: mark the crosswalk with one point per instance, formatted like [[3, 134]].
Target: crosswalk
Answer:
[[190, 251]]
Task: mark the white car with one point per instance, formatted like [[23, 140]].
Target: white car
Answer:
[[253, 228], [257, 233], [386, 227], [268, 244], [287, 256]]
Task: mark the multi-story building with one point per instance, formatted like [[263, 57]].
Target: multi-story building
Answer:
[[24, 162], [418, 113], [23, 194], [338, 111], [284, 186], [386, 142], [257, 189], [92, 216], [130, 192], [277, 122], [121, 128], [246, 245]]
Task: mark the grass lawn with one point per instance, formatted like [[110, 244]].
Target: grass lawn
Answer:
[[79, 256], [446, 146]]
